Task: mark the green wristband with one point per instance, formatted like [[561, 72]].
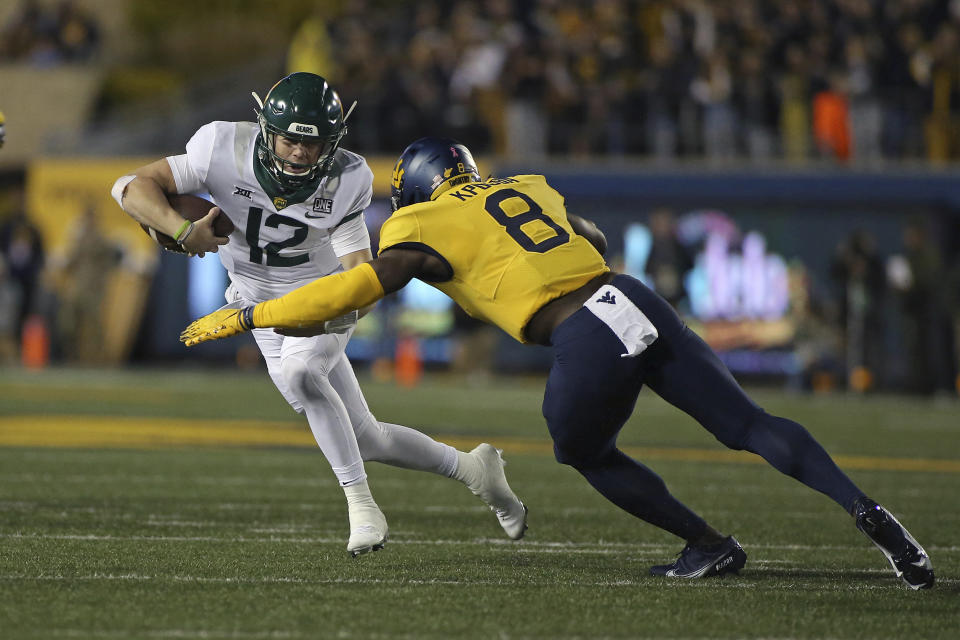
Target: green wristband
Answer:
[[183, 227]]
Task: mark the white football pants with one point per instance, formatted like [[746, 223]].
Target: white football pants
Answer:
[[316, 378]]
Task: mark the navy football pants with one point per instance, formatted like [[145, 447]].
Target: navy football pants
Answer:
[[591, 392]]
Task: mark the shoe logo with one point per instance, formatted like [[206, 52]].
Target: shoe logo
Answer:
[[724, 562], [608, 298]]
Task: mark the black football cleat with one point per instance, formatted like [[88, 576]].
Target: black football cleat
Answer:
[[703, 562], [908, 559]]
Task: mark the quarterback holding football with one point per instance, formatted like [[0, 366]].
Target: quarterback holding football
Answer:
[[296, 199]]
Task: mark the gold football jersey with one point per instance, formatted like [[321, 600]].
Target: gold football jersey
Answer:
[[507, 243]]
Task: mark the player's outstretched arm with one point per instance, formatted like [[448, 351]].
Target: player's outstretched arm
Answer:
[[313, 304], [308, 306]]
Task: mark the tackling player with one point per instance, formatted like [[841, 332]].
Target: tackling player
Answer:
[[296, 199], [508, 252]]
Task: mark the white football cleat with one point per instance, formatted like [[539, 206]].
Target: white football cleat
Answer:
[[493, 489], [368, 529]]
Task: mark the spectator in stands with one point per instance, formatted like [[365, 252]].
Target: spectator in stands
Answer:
[[866, 116], [831, 120], [310, 48], [667, 78], [943, 125], [47, 38], [713, 90], [19, 35], [77, 33], [483, 41], [927, 326], [758, 104], [795, 104], [89, 261], [526, 83], [621, 77], [418, 85], [666, 87], [21, 250], [669, 260], [858, 271], [903, 95], [9, 315]]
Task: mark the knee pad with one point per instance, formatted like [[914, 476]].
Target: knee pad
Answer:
[[301, 379]]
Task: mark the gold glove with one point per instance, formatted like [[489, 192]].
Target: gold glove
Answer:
[[222, 323]]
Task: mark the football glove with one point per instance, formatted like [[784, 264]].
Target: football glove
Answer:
[[224, 323], [220, 324]]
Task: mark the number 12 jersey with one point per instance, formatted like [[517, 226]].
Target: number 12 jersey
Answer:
[[280, 241]]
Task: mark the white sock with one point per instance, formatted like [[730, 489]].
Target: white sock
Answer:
[[359, 495], [468, 470]]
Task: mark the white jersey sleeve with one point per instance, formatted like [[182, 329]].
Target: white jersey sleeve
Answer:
[[363, 196], [186, 179], [351, 233], [190, 170], [350, 236]]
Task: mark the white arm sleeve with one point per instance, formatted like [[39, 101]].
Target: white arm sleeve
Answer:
[[120, 187], [188, 181], [350, 236]]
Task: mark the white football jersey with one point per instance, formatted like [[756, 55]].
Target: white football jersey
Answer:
[[276, 246]]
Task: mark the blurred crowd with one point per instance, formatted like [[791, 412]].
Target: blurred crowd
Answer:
[[858, 81], [922, 287], [44, 35], [51, 305], [850, 80], [847, 80], [878, 319]]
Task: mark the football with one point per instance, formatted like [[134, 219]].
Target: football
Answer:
[[191, 208]]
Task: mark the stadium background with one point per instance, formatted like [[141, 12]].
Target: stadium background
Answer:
[[806, 148], [783, 172]]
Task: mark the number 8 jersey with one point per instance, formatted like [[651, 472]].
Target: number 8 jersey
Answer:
[[507, 245], [281, 240]]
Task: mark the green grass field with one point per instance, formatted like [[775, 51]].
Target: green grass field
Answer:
[[146, 504]]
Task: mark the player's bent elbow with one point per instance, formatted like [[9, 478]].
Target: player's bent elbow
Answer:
[[599, 242]]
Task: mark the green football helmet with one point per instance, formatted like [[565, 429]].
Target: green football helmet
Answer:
[[302, 107]]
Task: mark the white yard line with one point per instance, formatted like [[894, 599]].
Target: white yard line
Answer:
[[523, 545], [177, 633], [645, 581]]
